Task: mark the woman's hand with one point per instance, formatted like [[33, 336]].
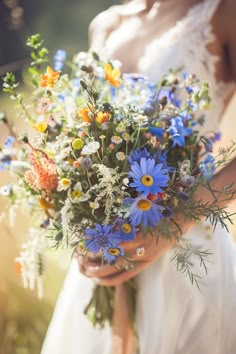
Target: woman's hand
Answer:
[[109, 275]]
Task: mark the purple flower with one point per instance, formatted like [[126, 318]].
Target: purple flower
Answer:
[[148, 177], [178, 131], [125, 231]]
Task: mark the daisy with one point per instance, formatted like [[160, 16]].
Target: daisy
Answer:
[[144, 211], [148, 177]]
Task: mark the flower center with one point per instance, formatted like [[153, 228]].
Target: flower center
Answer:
[[114, 251], [144, 204], [126, 228], [76, 194], [147, 180]]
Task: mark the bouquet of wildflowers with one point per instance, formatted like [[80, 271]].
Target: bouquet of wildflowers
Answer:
[[108, 155]]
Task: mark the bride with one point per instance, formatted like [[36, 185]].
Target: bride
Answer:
[[172, 317]]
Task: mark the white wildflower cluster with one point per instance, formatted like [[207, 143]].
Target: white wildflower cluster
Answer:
[[107, 188], [31, 261]]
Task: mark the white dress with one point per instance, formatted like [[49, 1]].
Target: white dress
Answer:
[[173, 317]]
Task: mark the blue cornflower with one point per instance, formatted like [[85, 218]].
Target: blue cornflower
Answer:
[[158, 132], [101, 238], [125, 231], [111, 253], [144, 211], [178, 131], [9, 142], [59, 59], [207, 166], [137, 154], [148, 177]]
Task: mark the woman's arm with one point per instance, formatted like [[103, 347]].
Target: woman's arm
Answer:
[[108, 275]]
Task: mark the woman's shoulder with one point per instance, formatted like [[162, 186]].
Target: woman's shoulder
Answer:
[[103, 24]]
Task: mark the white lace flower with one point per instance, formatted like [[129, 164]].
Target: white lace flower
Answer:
[[91, 148]]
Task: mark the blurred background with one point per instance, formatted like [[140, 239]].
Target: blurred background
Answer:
[[63, 25]]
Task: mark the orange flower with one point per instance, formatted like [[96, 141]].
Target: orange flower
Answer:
[[112, 75], [50, 78], [84, 114]]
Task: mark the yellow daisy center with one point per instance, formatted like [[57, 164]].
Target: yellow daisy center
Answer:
[[144, 204], [114, 251], [126, 228], [76, 194], [77, 144], [147, 180]]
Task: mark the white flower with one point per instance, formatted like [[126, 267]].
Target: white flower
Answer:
[[64, 184], [120, 156], [140, 251], [77, 194], [91, 148], [116, 139]]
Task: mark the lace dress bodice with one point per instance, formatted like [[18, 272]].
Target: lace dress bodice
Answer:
[[184, 45]]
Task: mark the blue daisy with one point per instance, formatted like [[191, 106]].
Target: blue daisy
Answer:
[[125, 231], [111, 253], [178, 131], [148, 177], [144, 211], [101, 238]]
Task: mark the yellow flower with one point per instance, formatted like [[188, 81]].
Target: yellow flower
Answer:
[[41, 126], [77, 144], [103, 117], [112, 75], [50, 78], [76, 194]]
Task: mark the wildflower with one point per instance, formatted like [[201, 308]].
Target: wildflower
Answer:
[[126, 136], [103, 117], [187, 181], [59, 59], [41, 126], [85, 114], [111, 253], [178, 131], [140, 251], [94, 205], [77, 194], [77, 144], [148, 177], [120, 128], [112, 75], [45, 204], [207, 166], [100, 238], [137, 154], [64, 184], [50, 78], [85, 162], [43, 175], [125, 232], [158, 132], [120, 156], [91, 148], [144, 211], [116, 139], [9, 142]]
